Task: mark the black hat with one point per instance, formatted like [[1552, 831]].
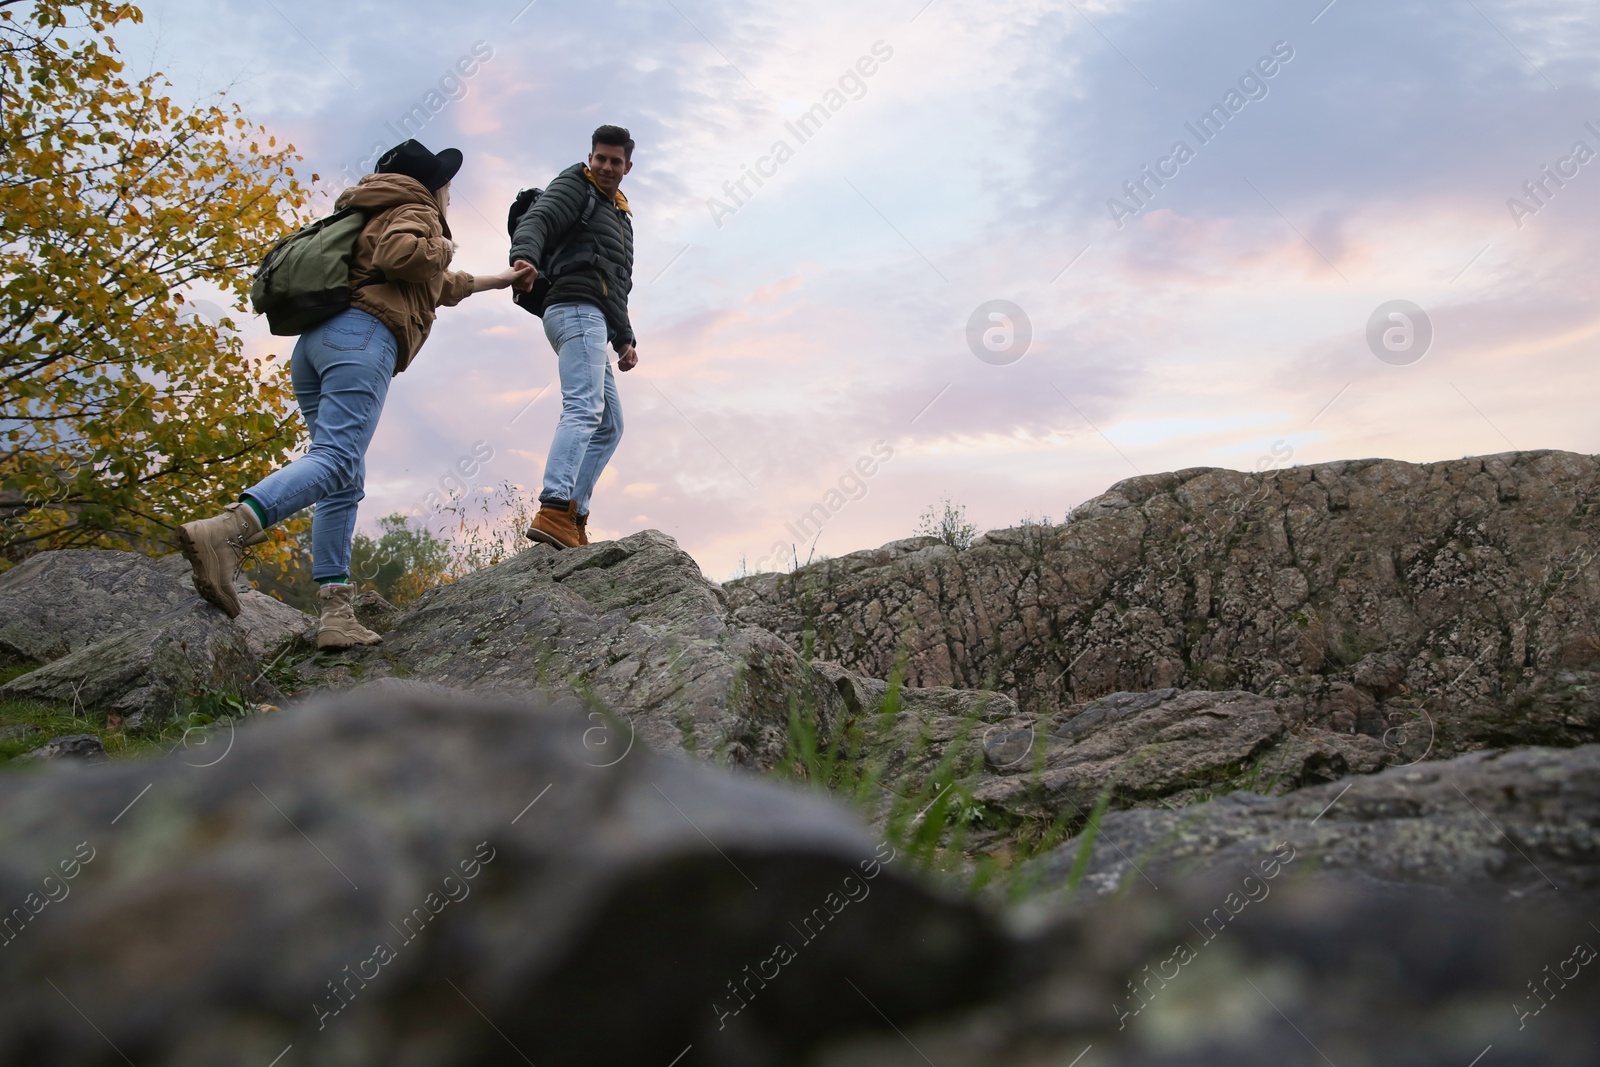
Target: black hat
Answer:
[[415, 161]]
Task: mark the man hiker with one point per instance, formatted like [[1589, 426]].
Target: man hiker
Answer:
[[581, 230], [341, 371]]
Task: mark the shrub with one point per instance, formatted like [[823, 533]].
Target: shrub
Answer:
[[948, 522]]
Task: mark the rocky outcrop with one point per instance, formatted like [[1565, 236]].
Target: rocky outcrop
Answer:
[[401, 877], [1389, 612], [57, 603], [1410, 564], [1166, 748], [1163, 749], [1270, 680], [148, 672], [631, 623], [128, 635], [1522, 824], [1446, 606], [376, 613]]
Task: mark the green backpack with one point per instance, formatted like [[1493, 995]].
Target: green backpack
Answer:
[[305, 279]]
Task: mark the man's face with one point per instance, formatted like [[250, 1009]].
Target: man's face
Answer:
[[608, 165]]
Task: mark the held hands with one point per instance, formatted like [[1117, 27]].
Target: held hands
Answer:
[[522, 279], [520, 275], [527, 274]]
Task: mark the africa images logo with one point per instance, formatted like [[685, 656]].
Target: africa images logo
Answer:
[[1207, 128], [1399, 333], [852, 85]]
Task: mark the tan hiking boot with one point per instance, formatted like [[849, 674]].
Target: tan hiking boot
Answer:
[[214, 548], [583, 528], [338, 627], [556, 526]]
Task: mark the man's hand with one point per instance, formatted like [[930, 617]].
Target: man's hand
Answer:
[[627, 358]]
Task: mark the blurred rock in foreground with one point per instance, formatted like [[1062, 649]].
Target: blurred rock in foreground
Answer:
[[406, 876]]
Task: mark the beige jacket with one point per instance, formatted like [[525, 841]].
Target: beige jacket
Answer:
[[408, 240]]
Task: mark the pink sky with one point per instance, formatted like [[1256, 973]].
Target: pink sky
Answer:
[[1224, 325]]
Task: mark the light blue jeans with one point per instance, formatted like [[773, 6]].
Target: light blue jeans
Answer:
[[341, 373], [590, 426]]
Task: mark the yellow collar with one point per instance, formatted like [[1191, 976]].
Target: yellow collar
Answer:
[[616, 198]]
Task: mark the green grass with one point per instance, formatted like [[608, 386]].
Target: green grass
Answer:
[[16, 670], [931, 816], [27, 724], [44, 722], [1091, 831], [1234, 778], [924, 823], [929, 820]]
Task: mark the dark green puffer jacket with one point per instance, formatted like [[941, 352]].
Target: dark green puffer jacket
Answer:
[[596, 264]]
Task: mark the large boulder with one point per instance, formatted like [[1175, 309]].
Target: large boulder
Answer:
[[148, 672], [631, 623], [413, 877], [56, 603], [1451, 602], [1520, 824], [1018, 772], [126, 634], [1166, 749]]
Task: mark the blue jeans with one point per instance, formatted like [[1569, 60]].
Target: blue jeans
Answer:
[[341, 373], [590, 426]]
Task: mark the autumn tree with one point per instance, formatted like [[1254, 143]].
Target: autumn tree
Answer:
[[121, 412]]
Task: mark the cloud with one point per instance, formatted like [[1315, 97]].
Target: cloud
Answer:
[[831, 311], [766, 294]]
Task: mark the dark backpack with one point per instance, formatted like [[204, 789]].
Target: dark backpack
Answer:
[[305, 280], [532, 301]]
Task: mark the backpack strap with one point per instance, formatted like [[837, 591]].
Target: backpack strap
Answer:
[[583, 221], [377, 277]]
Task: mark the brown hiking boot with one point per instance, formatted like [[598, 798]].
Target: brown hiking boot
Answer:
[[338, 627], [214, 548], [583, 528], [557, 526]]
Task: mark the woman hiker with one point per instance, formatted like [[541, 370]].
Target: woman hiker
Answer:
[[341, 371]]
